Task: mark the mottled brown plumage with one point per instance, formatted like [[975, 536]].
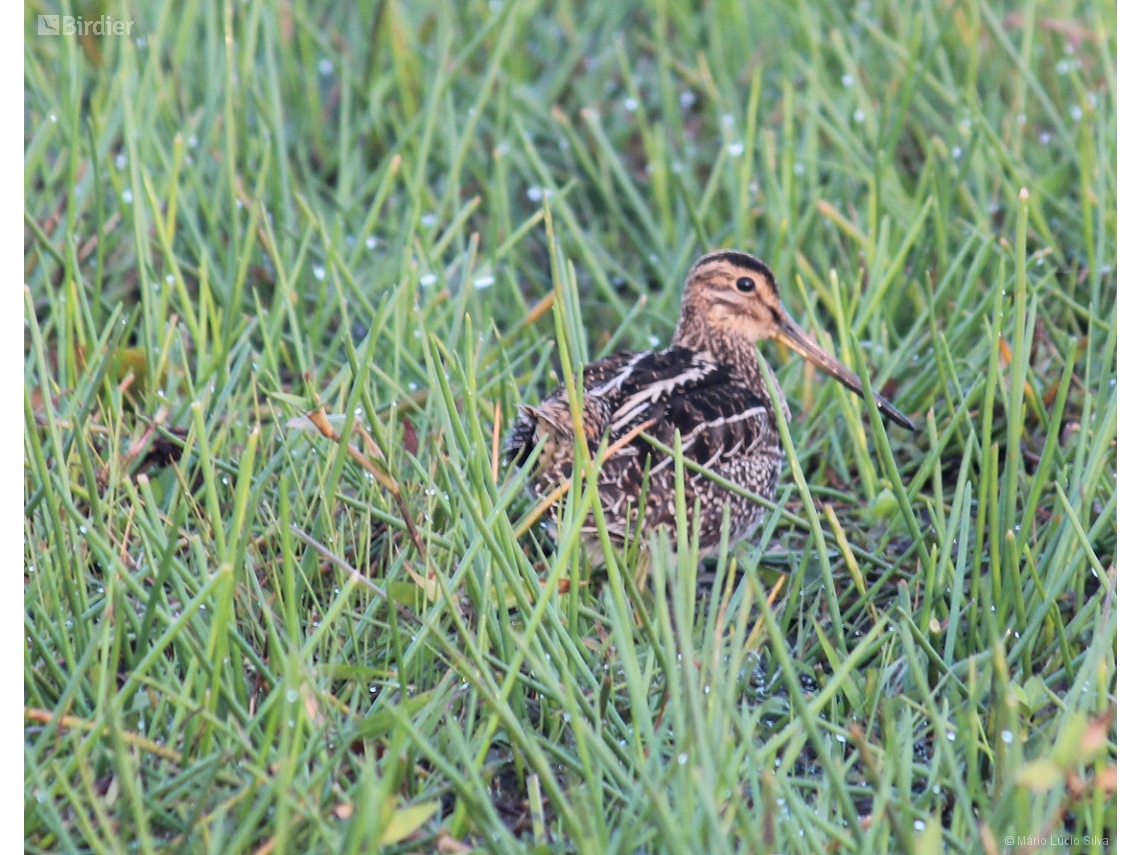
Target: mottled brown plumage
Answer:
[[707, 386]]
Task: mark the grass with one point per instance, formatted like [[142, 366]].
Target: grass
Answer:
[[424, 214]]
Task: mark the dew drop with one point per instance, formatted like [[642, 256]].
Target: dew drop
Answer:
[[859, 116], [325, 67], [484, 282], [128, 196], [428, 279], [848, 80], [319, 271], [1007, 737], [736, 149]]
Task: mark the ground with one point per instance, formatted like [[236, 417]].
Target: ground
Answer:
[[244, 635]]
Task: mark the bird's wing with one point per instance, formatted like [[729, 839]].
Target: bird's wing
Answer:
[[719, 418]]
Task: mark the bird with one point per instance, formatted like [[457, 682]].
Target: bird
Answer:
[[707, 386]]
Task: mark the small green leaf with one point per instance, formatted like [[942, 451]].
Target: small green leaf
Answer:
[[405, 821], [383, 722], [930, 840], [1067, 749], [885, 506], [1039, 775]]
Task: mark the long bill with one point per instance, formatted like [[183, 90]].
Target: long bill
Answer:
[[790, 334]]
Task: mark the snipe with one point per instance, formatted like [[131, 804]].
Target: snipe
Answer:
[[708, 387]]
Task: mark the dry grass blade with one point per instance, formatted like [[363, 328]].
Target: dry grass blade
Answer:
[[321, 422]]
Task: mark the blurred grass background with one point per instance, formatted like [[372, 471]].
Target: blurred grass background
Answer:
[[244, 210]]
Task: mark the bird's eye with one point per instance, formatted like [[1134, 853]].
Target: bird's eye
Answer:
[[745, 285]]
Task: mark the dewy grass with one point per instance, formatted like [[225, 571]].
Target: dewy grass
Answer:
[[417, 216]]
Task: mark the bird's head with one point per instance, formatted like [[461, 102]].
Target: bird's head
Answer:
[[731, 294]]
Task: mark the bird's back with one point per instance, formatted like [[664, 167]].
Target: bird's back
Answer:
[[724, 425]]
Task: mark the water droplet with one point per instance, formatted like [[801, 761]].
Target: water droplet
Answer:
[[193, 141], [1075, 112], [325, 67], [1007, 737], [120, 161], [682, 759], [502, 150], [687, 99], [169, 278], [1044, 137], [428, 279], [371, 242], [128, 196], [728, 120], [319, 271], [735, 149], [848, 80], [428, 220], [630, 104], [919, 825], [798, 168], [534, 193], [956, 152], [859, 116], [654, 341], [484, 281], [52, 117]]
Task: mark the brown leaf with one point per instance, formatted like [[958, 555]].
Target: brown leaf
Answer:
[[1106, 780], [411, 439], [1095, 736]]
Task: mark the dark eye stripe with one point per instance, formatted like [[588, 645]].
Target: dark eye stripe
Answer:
[[745, 284]]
